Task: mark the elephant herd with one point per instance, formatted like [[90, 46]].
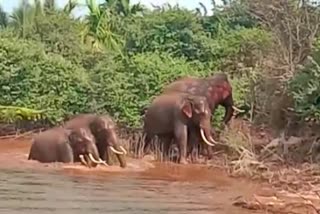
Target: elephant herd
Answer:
[[181, 114]]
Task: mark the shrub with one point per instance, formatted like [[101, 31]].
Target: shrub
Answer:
[[31, 78]]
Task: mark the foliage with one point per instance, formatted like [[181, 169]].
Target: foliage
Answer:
[[31, 78], [127, 88], [11, 114], [119, 56], [305, 87]]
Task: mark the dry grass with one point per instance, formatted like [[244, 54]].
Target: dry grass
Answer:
[[134, 140]]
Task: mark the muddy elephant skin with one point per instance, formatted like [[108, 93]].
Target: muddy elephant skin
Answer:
[[103, 128], [216, 89], [62, 145], [170, 115]]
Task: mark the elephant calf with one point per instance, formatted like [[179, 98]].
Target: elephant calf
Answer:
[[62, 145]]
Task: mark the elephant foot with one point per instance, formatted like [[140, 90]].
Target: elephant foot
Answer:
[[183, 161]]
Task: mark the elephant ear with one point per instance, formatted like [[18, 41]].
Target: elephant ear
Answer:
[[71, 136], [187, 109], [223, 91]]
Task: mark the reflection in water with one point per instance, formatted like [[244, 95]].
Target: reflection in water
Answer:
[[30, 187]]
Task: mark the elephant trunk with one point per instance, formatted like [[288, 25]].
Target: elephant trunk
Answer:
[[91, 157], [119, 151], [228, 114], [230, 108], [120, 157]]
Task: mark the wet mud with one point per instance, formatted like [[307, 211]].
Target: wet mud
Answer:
[[143, 187]]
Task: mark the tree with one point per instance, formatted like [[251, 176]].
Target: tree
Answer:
[[101, 28], [3, 18]]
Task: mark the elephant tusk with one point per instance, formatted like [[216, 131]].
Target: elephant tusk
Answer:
[[93, 159], [83, 160], [97, 161], [123, 149], [116, 151], [212, 140], [103, 162], [238, 110], [205, 139]]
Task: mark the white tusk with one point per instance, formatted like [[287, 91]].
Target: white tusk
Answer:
[[205, 139], [103, 162], [83, 160], [115, 151], [236, 109], [93, 159], [124, 151], [97, 162]]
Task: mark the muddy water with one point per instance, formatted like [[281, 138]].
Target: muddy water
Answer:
[[31, 187]]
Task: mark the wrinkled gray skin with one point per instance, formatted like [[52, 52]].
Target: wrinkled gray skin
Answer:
[[170, 115], [62, 145], [216, 89], [103, 129]]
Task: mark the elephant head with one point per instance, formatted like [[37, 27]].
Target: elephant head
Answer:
[[105, 131], [84, 146], [219, 92], [196, 108], [216, 89]]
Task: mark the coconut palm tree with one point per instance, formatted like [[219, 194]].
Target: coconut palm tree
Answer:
[[3, 18], [24, 16], [123, 7], [101, 26]]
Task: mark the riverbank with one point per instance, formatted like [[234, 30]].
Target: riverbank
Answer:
[[251, 158]]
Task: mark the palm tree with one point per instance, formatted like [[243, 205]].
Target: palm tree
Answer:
[[3, 18], [70, 6], [123, 7], [100, 28], [24, 17]]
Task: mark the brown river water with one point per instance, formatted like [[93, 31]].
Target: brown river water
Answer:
[[143, 187]]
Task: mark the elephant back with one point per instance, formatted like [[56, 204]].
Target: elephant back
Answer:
[[81, 120], [53, 135]]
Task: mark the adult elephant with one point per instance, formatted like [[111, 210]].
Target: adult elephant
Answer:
[[170, 115], [216, 89], [103, 129], [62, 145]]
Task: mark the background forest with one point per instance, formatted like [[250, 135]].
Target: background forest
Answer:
[[118, 57]]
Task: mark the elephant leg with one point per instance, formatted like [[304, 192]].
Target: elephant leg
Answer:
[[108, 156], [193, 142], [146, 146], [180, 136], [166, 140], [209, 151]]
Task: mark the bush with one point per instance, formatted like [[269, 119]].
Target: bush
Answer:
[[31, 78], [305, 89], [126, 88]]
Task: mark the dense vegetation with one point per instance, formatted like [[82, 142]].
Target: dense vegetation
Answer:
[[117, 57]]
